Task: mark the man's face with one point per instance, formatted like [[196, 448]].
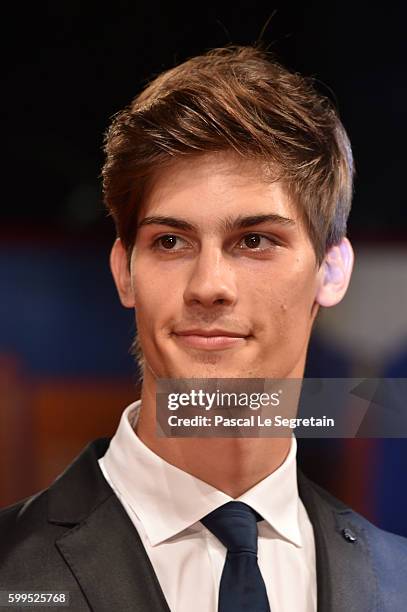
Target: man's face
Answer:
[[196, 275]]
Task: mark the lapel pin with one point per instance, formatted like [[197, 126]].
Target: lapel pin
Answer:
[[349, 535]]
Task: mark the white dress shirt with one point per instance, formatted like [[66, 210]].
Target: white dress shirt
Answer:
[[166, 504]]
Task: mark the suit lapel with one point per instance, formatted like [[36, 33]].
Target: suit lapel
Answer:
[[346, 581], [102, 548], [109, 561]]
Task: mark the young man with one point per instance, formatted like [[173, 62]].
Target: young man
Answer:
[[230, 183]]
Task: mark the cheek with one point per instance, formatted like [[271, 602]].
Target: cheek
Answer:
[[299, 294], [284, 303], [146, 285], [296, 307], [155, 301]]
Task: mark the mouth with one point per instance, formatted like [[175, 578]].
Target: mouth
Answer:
[[210, 339]]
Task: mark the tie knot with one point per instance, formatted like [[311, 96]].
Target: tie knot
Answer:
[[235, 525]]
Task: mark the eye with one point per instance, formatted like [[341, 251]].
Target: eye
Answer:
[[167, 242], [253, 241]]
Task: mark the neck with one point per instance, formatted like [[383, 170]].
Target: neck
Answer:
[[231, 465]]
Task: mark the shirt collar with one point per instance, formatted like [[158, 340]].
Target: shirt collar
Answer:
[[167, 500]]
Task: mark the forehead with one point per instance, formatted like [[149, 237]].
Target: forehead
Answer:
[[214, 186]]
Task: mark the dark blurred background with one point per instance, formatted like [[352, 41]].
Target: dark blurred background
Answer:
[[65, 369]]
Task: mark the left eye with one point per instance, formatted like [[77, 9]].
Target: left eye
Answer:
[[253, 241]]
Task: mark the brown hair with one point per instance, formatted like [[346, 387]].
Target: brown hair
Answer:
[[239, 99]]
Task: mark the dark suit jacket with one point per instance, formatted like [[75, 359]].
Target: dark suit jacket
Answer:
[[76, 537]]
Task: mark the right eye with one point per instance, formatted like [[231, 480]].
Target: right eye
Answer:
[[167, 242]]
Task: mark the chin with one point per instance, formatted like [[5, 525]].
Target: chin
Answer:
[[208, 370]]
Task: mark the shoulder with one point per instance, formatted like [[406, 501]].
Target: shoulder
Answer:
[[375, 533], [383, 554], [28, 554], [387, 550], [30, 528], [20, 521]]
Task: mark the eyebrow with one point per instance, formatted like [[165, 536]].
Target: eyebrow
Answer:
[[227, 225]]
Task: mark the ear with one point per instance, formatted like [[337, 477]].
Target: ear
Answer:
[[335, 272], [121, 274]]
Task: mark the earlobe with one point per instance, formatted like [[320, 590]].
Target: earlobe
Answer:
[[121, 274], [336, 270]]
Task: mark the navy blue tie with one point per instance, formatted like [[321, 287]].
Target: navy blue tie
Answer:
[[242, 586]]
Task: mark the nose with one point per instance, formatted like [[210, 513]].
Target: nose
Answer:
[[212, 279]]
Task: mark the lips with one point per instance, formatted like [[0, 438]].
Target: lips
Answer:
[[209, 333], [210, 339]]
